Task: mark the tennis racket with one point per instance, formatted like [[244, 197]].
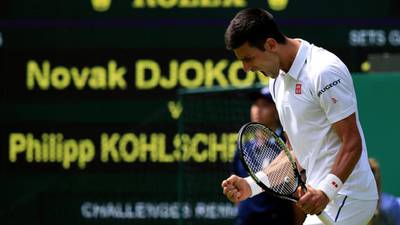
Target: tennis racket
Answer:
[[270, 163]]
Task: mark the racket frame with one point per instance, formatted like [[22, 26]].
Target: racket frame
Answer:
[[284, 148], [323, 216]]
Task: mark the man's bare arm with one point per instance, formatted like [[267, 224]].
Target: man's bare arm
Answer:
[[351, 148]]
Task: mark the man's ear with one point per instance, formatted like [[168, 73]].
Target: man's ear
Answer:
[[271, 45]]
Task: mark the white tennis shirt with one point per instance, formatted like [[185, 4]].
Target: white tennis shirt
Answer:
[[317, 92]]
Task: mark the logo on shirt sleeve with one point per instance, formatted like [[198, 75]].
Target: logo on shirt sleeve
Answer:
[[327, 87]]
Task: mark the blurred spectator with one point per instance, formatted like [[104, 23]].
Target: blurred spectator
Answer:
[[388, 211], [263, 209]]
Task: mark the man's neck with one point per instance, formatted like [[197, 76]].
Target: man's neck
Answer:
[[288, 52]]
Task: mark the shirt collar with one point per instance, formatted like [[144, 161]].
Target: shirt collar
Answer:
[[299, 60]]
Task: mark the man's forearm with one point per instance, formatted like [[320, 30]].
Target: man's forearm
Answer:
[[347, 157], [346, 160], [350, 150]]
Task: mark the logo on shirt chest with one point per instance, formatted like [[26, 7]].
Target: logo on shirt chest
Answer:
[[297, 90]]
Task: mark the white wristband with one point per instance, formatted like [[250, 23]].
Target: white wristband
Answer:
[[255, 189], [330, 185]]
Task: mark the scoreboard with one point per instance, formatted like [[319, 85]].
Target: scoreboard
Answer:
[[91, 120]]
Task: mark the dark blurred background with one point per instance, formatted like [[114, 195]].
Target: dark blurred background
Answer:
[[126, 111]]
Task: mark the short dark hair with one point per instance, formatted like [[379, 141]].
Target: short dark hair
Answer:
[[254, 26]]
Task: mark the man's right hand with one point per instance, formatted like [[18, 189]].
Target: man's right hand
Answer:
[[236, 189]]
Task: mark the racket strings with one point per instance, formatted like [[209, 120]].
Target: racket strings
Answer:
[[262, 154]]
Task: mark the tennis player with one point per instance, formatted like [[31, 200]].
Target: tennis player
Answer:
[[317, 106]]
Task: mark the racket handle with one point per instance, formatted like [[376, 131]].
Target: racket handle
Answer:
[[325, 218]]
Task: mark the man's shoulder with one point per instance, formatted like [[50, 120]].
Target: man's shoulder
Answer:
[[323, 62]]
